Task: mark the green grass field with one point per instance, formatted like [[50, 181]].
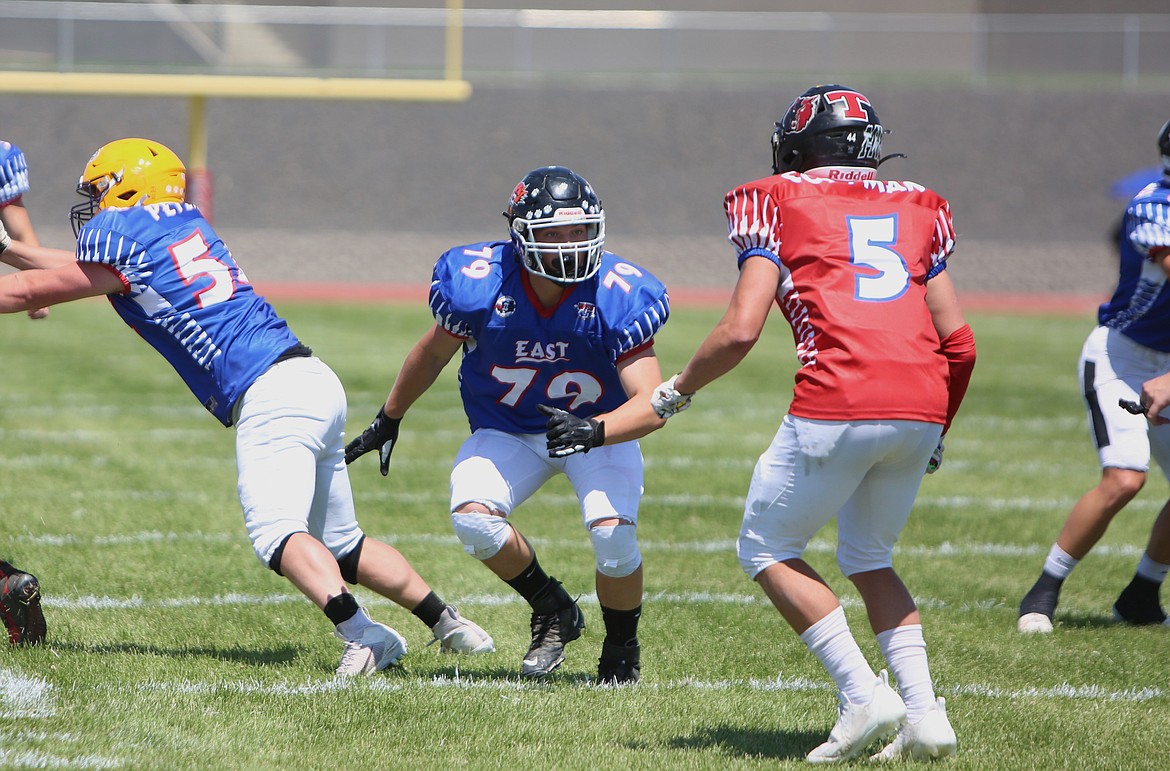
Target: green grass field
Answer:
[[171, 647]]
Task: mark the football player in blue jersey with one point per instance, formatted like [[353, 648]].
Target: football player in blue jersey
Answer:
[[556, 373], [171, 278], [20, 593], [14, 185], [1130, 346]]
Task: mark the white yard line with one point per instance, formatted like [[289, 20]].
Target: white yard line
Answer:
[[38, 759], [682, 500], [24, 696], [945, 549], [95, 603], [1089, 692]]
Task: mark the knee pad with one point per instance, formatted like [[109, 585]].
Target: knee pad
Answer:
[[616, 549], [482, 535], [349, 563]]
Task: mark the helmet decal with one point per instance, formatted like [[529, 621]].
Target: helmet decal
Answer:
[[557, 225], [857, 107], [519, 193], [806, 108]]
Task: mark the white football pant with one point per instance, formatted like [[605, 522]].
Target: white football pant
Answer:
[[865, 472], [501, 471], [290, 455], [1113, 367]]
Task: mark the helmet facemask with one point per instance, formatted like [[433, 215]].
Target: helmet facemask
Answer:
[[555, 197], [564, 262], [94, 191]]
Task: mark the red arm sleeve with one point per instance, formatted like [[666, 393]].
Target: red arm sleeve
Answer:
[[959, 349]]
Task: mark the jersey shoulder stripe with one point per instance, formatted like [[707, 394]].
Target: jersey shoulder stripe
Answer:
[[464, 285], [13, 173], [1147, 219], [633, 302]]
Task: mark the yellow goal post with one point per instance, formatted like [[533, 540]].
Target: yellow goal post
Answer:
[[197, 88]]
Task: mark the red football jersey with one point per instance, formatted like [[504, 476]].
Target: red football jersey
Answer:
[[854, 259]]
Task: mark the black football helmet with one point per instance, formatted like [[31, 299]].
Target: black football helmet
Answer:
[[1164, 147], [549, 197], [828, 125]]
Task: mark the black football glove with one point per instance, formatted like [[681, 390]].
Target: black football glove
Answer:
[[382, 435], [568, 433]]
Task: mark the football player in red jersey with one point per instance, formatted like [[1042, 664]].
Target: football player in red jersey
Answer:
[[858, 267]]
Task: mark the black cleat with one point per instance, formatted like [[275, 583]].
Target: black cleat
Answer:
[[619, 663], [550, 633], [20, 606], [1139, 605]]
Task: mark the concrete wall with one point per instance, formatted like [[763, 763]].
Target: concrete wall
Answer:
[[340, 191]]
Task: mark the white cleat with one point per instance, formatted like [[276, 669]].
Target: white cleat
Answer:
[[859, 725], [1034, 623], [379, 647], [929, 739], [455, 634]]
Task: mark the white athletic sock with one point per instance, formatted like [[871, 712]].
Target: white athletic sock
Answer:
[[1154, 571], [1059, 563], [905, 649], [351, 628], [831, 641]]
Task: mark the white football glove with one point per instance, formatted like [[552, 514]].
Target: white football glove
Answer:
[[4, 239], [667, 400], [935, 457]]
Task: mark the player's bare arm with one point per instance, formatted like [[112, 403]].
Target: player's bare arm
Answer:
[[1161, 256], [420, 369], [26, 255], [943, 302], [32, 289], [15, 218], [640, 375], [16, 230], [633, 419], [739, 329]]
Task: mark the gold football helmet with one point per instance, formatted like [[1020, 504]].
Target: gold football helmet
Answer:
[[129, 172]]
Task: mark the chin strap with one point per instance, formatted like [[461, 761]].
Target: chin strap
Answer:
[[885, 158]]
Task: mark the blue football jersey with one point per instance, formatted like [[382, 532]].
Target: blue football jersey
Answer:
[[1140, 307], [13, 173], [187, 297], [517, 354]]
